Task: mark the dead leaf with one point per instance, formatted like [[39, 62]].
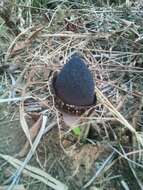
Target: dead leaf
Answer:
[[16, 187], [87, 156], [33, 132], [34, 34], [121, 103], [34, 116], [20, 45], [71, 26]]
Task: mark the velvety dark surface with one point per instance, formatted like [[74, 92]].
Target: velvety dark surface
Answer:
[[74, 84]]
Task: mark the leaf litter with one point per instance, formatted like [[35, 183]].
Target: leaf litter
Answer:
[[110, 40]]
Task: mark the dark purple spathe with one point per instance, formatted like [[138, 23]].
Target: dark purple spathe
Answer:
[[75, 84]]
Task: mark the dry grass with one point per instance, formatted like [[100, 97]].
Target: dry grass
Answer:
[[110, 40]]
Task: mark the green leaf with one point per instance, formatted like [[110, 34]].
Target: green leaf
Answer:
[[77, 131]]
